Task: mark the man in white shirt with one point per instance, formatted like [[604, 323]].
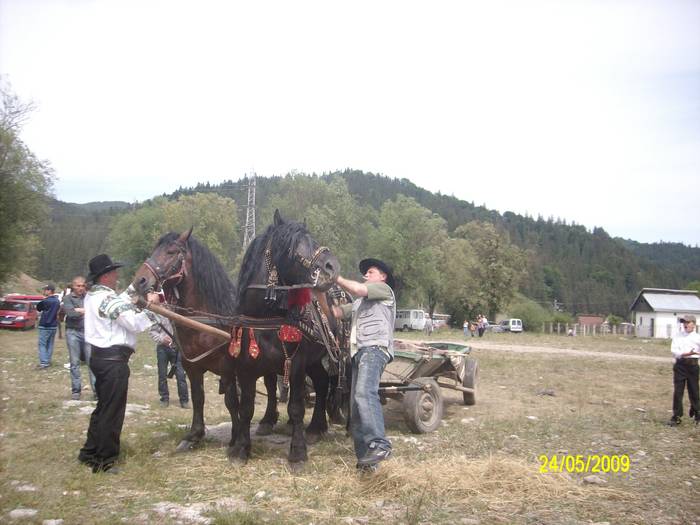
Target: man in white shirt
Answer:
[[686, 350], [111, 324]]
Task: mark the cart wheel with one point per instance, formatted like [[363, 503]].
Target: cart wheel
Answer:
[[471, 373], [422, 410]]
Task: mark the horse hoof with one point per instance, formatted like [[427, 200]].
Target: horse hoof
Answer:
[[313, 437], [264, 429], [236, 461], [296, 467], [236, 456], [185, 446]]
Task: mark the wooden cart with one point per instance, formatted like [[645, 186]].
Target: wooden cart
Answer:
[[418, 371]]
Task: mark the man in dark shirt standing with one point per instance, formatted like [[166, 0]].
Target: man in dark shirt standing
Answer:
[[75, 335], [48, 324]]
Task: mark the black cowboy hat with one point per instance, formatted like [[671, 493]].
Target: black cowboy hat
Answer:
[[101, 264], [366, 264]]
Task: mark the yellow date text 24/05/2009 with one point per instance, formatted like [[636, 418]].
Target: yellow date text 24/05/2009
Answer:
[[579, 463]]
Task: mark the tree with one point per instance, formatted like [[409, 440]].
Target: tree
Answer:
[[25, 185], [214, 219], [332, 215], [409, 238], [458, 268], [498, 265], [694, 285], [215, 222]]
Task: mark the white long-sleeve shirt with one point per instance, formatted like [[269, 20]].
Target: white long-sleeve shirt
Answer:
[[685, 342], [112, 319]]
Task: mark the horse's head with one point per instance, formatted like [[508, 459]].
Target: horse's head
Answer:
[[298, 257], [167, 265]]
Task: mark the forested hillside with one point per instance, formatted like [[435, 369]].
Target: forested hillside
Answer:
[[582, 270]]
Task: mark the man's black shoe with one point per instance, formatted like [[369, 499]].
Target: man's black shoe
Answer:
[[374, 455], [691, 412], [673, 422], [86, 460], [109, 468], [367, 469]]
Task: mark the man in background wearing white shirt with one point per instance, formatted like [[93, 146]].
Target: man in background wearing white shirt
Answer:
[[686, 350], [111, 324]]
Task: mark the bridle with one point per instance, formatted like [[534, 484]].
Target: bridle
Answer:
[[312, 264], [176, 272]]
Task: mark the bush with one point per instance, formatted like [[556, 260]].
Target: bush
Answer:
[[614, 320], [563, 318], [531, 313]]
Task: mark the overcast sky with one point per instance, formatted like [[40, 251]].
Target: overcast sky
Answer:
[[584, 110]]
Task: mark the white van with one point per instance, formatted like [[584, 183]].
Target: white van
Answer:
[[410, 320], [512, 325]]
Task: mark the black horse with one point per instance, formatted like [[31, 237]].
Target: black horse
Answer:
[[193, 280], [278, 269]]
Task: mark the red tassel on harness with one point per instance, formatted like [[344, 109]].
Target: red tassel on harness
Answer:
[[289, 334], [299, 297], [234, 348], [253, 349]]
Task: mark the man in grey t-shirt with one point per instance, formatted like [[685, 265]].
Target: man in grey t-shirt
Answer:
[[371, 347]]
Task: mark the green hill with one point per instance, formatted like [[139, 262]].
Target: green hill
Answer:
[[586, 271]]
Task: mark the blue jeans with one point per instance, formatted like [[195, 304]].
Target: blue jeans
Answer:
[[167, 355], [46, 337], [366, 415], [75, 341]]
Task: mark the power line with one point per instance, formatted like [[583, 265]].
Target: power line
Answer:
[[250, 213]]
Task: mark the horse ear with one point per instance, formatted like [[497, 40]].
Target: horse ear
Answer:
[[185, 235], [277, 220]]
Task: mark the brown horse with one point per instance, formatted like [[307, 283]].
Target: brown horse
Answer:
[[193, 279]]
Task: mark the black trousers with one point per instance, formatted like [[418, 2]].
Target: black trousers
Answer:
[[111, 369], [685, 372]]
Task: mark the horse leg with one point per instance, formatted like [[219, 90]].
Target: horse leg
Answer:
[[295, 410], [271, 416], [233, 406], [318, 425], [239, 452], [196, 433]]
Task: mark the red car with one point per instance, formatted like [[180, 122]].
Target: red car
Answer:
[[19, 311]]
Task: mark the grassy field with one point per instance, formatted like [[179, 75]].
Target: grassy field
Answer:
[[481, 466]]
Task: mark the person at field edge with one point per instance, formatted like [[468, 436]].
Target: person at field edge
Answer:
[[371, 348], [686, 349], [167, 352], [429, 327], [111, 324], [48, 325], [74, 311]]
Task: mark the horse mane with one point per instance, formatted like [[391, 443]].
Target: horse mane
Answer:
[[285, 237], [213, 283]]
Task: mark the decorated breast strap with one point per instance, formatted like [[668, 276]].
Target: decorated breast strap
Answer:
[[234, 348], [288, 334]]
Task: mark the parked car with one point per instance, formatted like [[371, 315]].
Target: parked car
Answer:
[[495, 328], [19, 311], [512, 325]]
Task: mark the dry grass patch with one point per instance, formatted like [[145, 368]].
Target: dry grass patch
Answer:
[[481, 465]]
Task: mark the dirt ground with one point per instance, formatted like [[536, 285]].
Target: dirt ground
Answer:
[[538, 398]]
